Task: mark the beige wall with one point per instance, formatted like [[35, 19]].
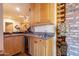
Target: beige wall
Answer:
[[1, 28]]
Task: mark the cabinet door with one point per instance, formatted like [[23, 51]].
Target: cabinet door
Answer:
[[9, 46], [35, 13], [44, 13], [18, 44], [32, 14], [36, 47], [42, 47], [13, 45], [47, 13], [49, 47], [31, 46], [51, 12]]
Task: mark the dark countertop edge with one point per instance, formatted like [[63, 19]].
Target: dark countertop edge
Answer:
[[10, 35]]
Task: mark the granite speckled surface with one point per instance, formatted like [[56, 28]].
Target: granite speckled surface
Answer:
[[35, 34]]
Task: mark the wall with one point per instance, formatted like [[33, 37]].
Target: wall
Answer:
[[72, 24], [11, 21], [1, 29], [45, 28]]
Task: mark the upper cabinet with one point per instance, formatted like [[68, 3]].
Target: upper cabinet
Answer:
[[35, 13], [51, 13], [42, 13]]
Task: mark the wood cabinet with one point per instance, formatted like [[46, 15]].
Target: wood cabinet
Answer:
[[19, 44], [42, 13], [51, 15], [8, 46], [40, 47], [13, 45], [35, 13], [36, 47], [31, 45], [49, 47]]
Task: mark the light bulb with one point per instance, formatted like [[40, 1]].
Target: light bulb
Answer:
[[17, 9]]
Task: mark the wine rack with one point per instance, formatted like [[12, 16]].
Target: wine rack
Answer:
[[61, 43], [61, 12]]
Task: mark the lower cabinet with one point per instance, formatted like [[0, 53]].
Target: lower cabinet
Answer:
[[31, 46], [36, 47], [49, 47], [40, 47], [13, 45], [8, 46]]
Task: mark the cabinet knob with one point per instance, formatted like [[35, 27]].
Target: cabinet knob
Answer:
[[40, 40], [35, 41]]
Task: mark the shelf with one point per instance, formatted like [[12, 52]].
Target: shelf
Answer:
[[60, 14], [60, 6], [62, 10]]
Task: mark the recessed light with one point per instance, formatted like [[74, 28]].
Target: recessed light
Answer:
[[17, 9]]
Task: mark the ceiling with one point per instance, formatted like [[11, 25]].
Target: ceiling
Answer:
[[9, 10]]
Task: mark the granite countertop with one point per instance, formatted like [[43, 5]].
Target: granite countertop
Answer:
[[36, 34]]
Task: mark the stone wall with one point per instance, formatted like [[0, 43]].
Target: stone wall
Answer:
[[72, 24]]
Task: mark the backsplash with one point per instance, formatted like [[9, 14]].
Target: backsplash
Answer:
[[72, 24], [45, 28]]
